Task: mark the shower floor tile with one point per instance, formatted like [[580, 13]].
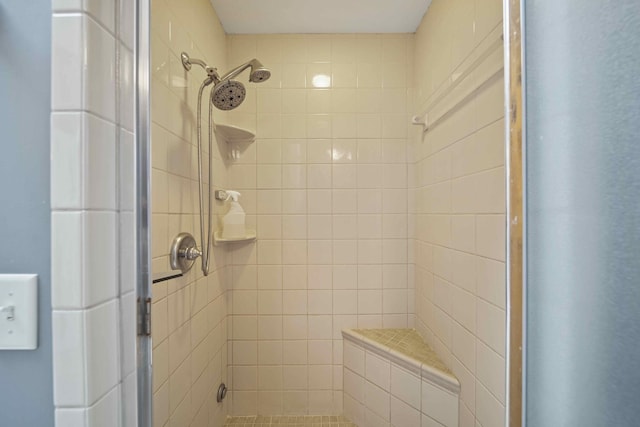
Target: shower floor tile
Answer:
[[289, 421]]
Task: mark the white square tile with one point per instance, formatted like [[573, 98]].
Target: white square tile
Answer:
[[320, 302], [490, 370], [345, 226], [377, 400], [464, 346], [345, 277], [369, 302], [127, 84], [378, 371], [295, 377], [99, 176], [270, 378], [268, 328], [403, 415], [319, 277], [99, 262], [320, 352], [353, 410], [66, 261], [354, 358], [99, 70], [374, 420], [406, 386], [245, 378], [490, 232], [370, 276], [489, 411], [294, 252], [319, 252], [269, 302], [160, 365], [295, 352], [295, 327], [67, 60], [102, 351], [71, 417], [128, 335], [439, 404], [345, 301], [320, 377], [467, 385], [370, 251], [245, 352], [491, 284], [161, 405], [107, 409], [491, 326], [354, 385], [69, 356], [320, 327], [66, 160]]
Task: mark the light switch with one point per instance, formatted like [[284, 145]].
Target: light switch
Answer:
[[18, 311]]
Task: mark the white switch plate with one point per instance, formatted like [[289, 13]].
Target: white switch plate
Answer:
[[18, 300]]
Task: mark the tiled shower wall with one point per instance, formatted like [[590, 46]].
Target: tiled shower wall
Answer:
[[189, 326], [325, 185], [457, 201], [92, 189]]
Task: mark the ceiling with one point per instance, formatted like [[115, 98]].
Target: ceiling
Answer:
[[320, 16]]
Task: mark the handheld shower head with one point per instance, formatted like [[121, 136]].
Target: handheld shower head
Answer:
[[228, 94]]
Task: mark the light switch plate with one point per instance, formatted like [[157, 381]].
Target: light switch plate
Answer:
[[18, 311]]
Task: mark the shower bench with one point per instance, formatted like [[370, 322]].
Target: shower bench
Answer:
[[392, 377]]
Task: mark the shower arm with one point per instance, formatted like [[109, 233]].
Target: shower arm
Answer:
[[236, 71], [187, 62]]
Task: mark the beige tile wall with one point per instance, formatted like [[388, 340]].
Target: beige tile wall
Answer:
[[189, 327], [457, 204], [325, 185]]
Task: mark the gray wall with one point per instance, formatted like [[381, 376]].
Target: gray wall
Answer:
[[26, 392], [583, 212]]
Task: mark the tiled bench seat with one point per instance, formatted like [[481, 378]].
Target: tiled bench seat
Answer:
[[392, 377]]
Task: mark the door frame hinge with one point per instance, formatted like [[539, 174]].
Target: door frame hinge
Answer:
[[144, 317]]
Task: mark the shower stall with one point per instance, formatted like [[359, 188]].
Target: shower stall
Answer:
[[363, 222]]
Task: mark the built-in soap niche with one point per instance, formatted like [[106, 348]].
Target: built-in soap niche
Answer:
[[236, 137]]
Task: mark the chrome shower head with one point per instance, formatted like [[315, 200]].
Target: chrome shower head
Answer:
[[258, 72], [228, 94]]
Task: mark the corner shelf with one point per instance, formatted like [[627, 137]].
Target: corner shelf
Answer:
[[219, 240], [234, 134]]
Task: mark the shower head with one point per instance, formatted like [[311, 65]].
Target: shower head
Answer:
[[228, 94], [258, 72]]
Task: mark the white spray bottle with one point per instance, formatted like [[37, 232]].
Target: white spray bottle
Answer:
[[233, 223]]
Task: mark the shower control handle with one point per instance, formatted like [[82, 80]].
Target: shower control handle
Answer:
[[190, 253], [184, 252]]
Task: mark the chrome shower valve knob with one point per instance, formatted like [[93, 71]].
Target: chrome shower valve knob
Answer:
[[191, 253]]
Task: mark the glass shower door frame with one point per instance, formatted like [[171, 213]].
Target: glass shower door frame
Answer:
[[143, 213]]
